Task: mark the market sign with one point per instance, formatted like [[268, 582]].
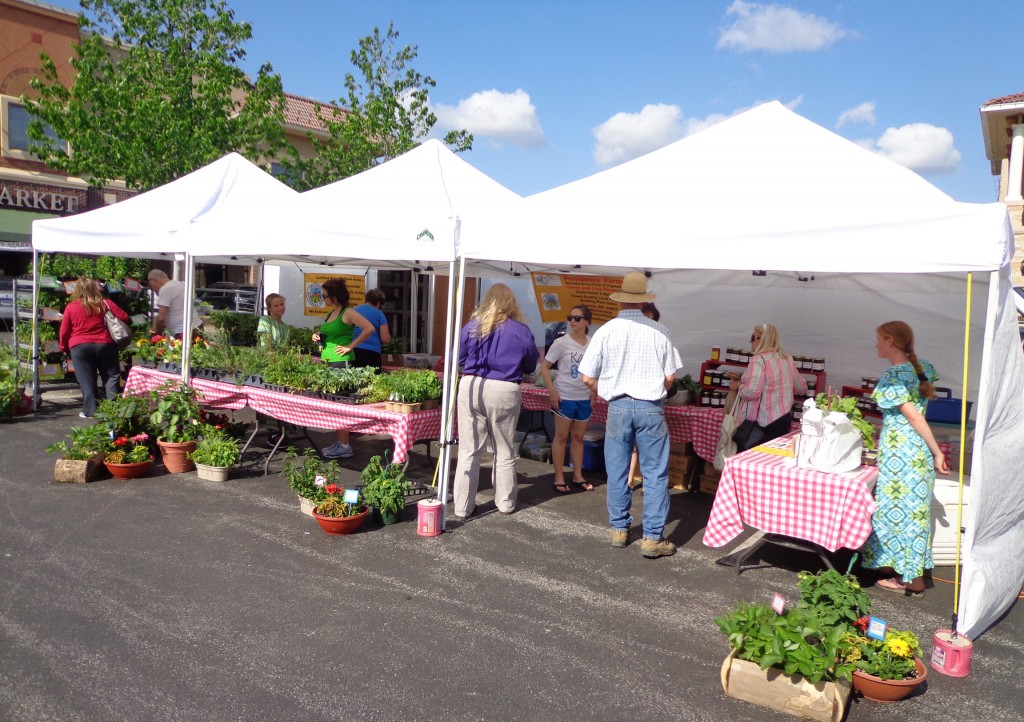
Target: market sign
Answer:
[[314, 303], [557, 293], [37, 200]]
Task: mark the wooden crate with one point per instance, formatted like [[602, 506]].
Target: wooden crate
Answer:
[[708, 484], [793, 695]]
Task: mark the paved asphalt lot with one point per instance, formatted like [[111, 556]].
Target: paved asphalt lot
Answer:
[[170, 598]]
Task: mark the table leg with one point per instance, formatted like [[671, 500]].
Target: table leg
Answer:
[[252, 436]]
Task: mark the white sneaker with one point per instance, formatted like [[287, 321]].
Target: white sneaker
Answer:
[[338, 450], [81, 415]]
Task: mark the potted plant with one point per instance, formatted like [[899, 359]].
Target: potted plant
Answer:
[[308, 475], [215, 455], [337, 516], [384, 487], [176, 418], [130, 457], [392, 352], [801, 659], [848, 405], [81, 453], [125, 415], [888, 669], [687, 391]]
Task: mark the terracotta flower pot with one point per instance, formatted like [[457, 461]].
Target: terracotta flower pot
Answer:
[[175, 455], [132, 470], [341, 525], [888, 690]]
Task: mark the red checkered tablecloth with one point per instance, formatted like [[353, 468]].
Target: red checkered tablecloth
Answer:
[[700, 425], [404, 429], [761, 491]]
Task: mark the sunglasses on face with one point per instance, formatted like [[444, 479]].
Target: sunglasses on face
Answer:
[[754, 338], [570, 317]]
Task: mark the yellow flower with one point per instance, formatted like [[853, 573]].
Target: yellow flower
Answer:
[[898, 648]]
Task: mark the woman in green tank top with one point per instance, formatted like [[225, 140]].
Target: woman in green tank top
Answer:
[[336, 335]]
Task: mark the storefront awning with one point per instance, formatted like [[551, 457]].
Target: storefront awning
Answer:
[[16, 228]]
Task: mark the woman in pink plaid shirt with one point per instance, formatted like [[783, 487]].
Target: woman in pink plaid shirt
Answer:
[[768, 385]]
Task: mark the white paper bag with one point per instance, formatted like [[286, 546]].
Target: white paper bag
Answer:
[[828, 443]]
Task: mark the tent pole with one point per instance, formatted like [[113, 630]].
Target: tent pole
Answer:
[[451, 373], [446, 391], [963, 440], [37, 397], [414, 313], [186, 330]]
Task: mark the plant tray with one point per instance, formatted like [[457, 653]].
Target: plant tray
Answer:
[[793, 695], [169, 368], [278, 388], [417, 489], [254, 380]]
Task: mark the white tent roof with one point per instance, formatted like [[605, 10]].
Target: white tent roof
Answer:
[[157, 223], [764, 190], [411, 210]]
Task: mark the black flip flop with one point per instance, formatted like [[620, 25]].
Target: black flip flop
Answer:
[[582, 485], [563, 488]]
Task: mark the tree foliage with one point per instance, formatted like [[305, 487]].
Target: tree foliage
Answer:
[[158, 93], [387, 114]]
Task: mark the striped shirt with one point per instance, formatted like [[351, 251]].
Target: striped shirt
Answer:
[[768, 385], [631, 355]]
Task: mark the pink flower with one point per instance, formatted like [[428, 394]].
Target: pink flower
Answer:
[[139, 438]]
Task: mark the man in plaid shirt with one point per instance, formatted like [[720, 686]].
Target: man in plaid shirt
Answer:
[[631, 362]]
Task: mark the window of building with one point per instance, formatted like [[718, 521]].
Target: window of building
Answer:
[[14, 138]]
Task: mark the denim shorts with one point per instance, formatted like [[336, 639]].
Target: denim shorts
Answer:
[[574, 410]]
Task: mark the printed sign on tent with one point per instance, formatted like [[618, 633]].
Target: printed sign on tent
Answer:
[[557, 293], [314, 303]]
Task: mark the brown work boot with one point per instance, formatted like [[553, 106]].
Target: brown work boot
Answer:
[[652, 549], [619, 538]]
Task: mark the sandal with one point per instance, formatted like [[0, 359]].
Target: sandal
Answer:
[[896, 586], [562, 488], [583, 485]]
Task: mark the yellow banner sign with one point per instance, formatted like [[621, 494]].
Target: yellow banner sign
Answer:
[[557, 294], [313, 297]]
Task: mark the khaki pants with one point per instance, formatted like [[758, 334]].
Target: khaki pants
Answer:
[[487, 410]]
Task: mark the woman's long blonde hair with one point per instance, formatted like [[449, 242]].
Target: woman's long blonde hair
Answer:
[[903, 338], [498, 305], [771, 340], [87, 292]]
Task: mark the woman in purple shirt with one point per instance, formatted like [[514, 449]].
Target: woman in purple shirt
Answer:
[[496, 349]]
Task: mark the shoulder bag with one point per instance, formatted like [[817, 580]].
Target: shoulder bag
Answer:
[[120, 332]]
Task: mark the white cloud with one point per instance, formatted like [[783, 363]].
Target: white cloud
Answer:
[[625, 136], [776, 29], [863, 113], [921, 147], [509, 117]]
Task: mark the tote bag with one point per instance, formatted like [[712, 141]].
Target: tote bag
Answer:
[[832, 444], [726, 444], [120, 332]]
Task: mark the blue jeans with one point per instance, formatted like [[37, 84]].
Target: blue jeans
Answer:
[[641, 423]]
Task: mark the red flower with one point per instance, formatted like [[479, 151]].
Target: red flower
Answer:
[[862, 623], [120, 441], [332, 489], [157, 338]]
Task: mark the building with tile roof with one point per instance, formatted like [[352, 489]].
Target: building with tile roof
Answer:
[[1002, 127]]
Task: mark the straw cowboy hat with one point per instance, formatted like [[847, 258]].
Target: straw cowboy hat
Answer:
[[634, 289]]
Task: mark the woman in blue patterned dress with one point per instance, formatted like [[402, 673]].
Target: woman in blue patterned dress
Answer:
[[908, 458]]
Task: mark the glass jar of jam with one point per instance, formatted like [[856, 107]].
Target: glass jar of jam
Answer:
[[716, 353], [818, 363]]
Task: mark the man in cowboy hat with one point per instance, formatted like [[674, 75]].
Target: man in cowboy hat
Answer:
[[631, 362]]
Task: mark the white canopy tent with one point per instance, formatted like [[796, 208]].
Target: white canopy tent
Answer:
[[770, 191]]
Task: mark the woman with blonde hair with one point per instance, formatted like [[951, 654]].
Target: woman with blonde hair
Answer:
[[767, 387], [272, 331], [84, 335], [496, 349], [908, 458]]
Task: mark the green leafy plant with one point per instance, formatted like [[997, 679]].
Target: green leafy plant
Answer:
[[848, 405], [124, 415], [384, 485], [216, 449], [816, 638], [83, 442], [334, 505], [396, 346], [889, 658], [308, 474], [130, 450], [235, 327], [177, 413], [302, 339], [687, 383], [10, 393]]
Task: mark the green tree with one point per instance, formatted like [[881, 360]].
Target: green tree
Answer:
[[387, 114], [158, 93]]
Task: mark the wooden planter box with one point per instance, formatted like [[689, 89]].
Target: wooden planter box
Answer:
[[73, 471], [771, 688]]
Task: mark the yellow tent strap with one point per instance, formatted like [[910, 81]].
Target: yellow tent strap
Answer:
[[963, 446], [451, 392]]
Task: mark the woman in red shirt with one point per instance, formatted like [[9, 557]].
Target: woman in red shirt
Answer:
[[83, 334]]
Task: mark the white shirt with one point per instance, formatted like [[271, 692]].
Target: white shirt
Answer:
[[172, 295], [568, 382], [631, 355]]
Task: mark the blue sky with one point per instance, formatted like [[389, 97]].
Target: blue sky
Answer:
[[555, 91]]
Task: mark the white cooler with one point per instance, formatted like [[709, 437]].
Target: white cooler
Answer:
[[943, 522]]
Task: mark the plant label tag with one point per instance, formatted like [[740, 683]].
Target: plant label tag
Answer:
[[130, 284], [319, 480], [351, 496], [778, 603], [876, 628]]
